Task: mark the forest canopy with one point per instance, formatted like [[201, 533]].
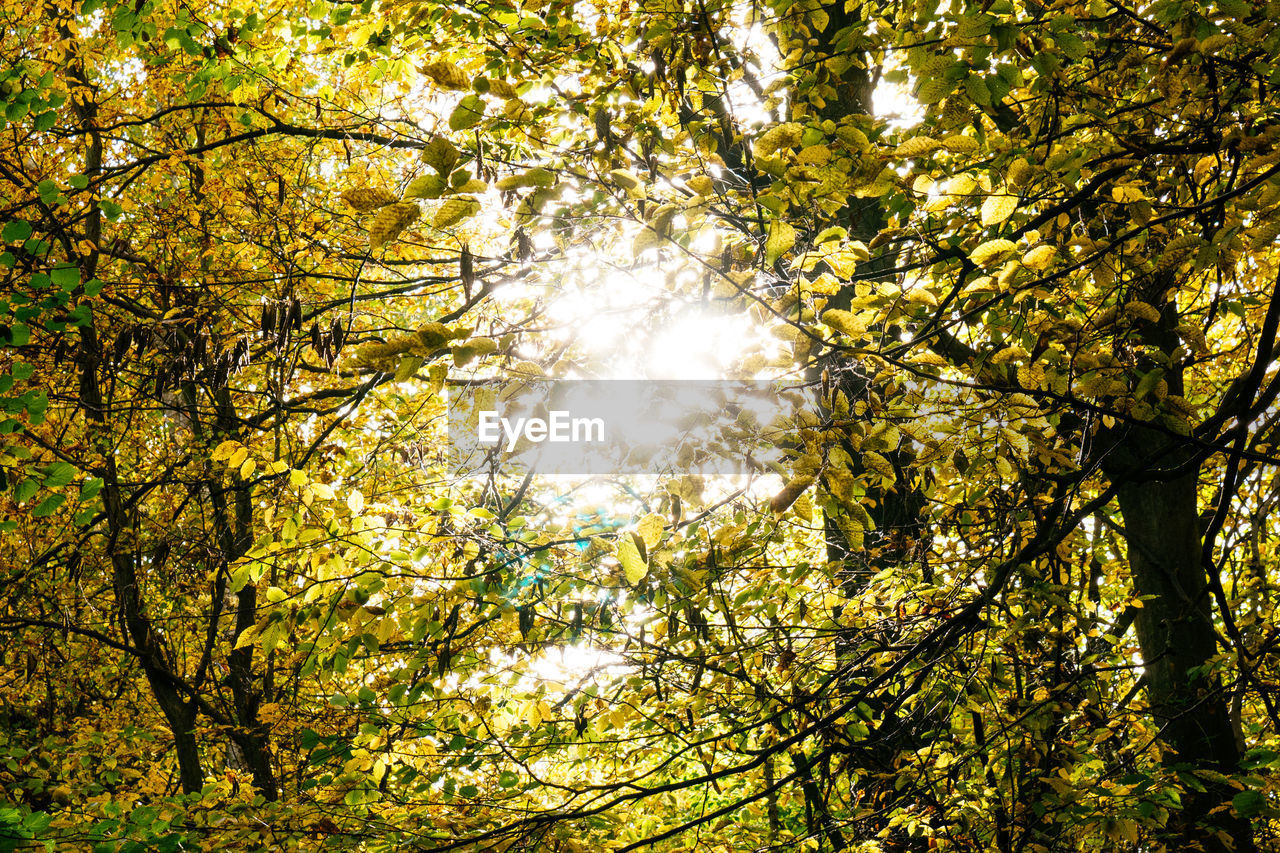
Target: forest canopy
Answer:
[[1007, 584]]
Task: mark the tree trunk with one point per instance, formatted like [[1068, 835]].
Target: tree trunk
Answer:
[[250, 737], [1176, 634], [182, 722]]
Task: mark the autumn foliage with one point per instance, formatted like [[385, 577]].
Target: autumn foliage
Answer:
[[1010, 589]]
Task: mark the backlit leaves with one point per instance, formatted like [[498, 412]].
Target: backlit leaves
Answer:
[[997, 208], [454, 210], [390, 222], [367, 199], [781, 237], [447, 75], [991, 250], [468, 113], [633, 564]]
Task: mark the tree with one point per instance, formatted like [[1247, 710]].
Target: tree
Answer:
[[1040, 313]]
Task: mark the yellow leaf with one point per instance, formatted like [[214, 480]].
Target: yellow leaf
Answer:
[[1142, 311], [843, 258], [367, 199], [247, 636], [991, 250], [446, 75], [390, 221], [960, 144], [1121, 829], [322, 491], [297, 478], [785, 135], [246, 468], [455, 210], [923, 296], [1019, 171], [623, 178], [355, 502], [440, 154], [1004, 468], [818, 155], [225, 449], [702, 184], [1204, 165], [998, 208], [434, 335], [438, 372], [854, 138], [237, 458], [845, 322], [803, 507], [1127, 194], [917, 147], [538, 177], [1009, 354], [633, 565], [790, 493], [873, 461], [464, 354], [483, 346], [781, 238], [1040, 258], [650, 529], [503, 89]]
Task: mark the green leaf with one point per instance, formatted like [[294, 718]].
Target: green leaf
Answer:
[[89, 490], [58, 475], [16, 231], [468, 113], [407, 367], [37, 404], [425, 186], [1248, 803], [48, 191], [48, 506], [26, 490], [66, 276], [1070, 45], [976, 88]]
